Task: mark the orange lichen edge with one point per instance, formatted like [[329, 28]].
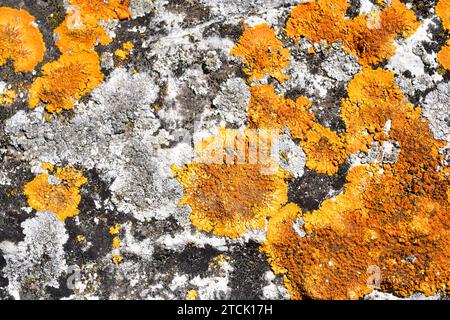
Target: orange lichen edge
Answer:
[[20, 40], [263, 54], [218, 191], [80, 33], [103, 10], [390, 217], [444, 56], [443, 11], [267, 110], [325, 20], [59, 194], [66, 80]]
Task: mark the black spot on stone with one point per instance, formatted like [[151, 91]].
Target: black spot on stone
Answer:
[[220, 30], [353, 9], [247, 278], [194, 261], [194, 11], [313, 188]]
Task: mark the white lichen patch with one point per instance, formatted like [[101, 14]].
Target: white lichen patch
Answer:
[[38, 259]]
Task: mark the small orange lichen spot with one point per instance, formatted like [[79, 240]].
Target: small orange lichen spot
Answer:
[[324, 150], [116, 258], [262, 52], [80, 34], [192, 294], [20, 40], [443, 11], [58, 193], [230, 194], [7, 97], [116, 242], [66, 80], [371, 39], [267, 110], [114, 230], [125, 51]]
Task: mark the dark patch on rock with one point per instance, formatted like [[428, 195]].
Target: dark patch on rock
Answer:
[[353, 9], [12, 199], [422, 8], [221, 30], [193, 11], [247, 278], [313, 188], [195, 261]]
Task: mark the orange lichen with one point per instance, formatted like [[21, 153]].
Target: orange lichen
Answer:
[[66, 80], [267, 110], [391, 217], [103, 10], [124, 52], [372, 98], [324, 150], [262, 52], [444, 56], [219, 193], [77, 71], [20, 40], [81, 35], [58, 193], [371, 39], [443, 11]]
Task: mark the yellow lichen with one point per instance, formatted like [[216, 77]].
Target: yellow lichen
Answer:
[[125, 51], [192, 294], [371, 39], [116, 258], [115, 229], [58, 193], [7, 97], [262, 52], [80, 238], [20, 40], [66, 80], [116, 242], [219, 193]]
